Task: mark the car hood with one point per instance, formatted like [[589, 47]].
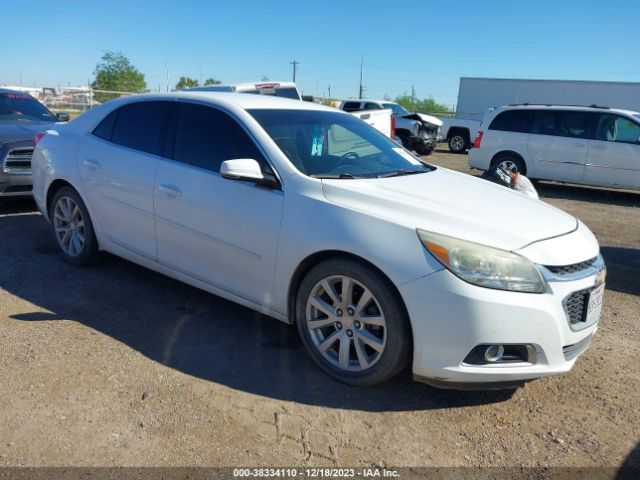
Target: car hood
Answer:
[[454, 204], [14, 132], [424, 118]]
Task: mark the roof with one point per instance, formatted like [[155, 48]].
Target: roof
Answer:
[[586, 108], [547, 80], [249, 101]]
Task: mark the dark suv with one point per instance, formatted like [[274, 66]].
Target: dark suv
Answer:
[[21, 117]]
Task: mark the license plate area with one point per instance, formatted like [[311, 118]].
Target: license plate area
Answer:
[[594, 307]]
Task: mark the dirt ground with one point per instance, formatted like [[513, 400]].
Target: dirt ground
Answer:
[[115, 365]]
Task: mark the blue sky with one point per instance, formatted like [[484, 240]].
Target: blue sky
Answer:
[[430, 44]]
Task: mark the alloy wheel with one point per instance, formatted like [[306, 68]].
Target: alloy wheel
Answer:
[[457, 143], [508, 165], [69, 227], [345, 323]]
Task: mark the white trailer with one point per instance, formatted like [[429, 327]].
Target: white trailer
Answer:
[[476, 95]]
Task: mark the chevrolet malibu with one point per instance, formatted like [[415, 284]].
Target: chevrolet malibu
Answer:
[[308, 215]]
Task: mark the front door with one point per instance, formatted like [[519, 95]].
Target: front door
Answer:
[[222, 232]]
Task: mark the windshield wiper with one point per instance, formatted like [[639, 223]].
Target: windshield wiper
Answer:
[[334, 175], [398, 173]]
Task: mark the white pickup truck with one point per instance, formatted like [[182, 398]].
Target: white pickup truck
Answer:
[[381, 120], [459, 133], [416, 131]]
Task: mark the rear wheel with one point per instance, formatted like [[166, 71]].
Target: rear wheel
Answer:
[[352, 322], [510, 163], [72, 228], [458, 143]]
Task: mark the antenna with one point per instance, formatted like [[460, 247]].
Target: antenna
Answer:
[[361, 89]]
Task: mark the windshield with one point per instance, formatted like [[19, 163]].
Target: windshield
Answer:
[[397, 109], [23, 107], [336, 145]]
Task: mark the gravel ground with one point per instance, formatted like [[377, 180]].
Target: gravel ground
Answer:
[[115, 365]]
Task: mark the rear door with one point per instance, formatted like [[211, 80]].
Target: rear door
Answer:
[[118, 162], [558, 144], [614, 155], [220, 231]]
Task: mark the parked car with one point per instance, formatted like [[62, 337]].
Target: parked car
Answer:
[[306, 214], [459, 132], [277, 89], [587, 145], [21, 117], [417, 131]]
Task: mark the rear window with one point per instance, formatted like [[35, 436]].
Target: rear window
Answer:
[[105, 128], [23, 107], [285, 92], [139, 126], [513, 121], [351, 106]]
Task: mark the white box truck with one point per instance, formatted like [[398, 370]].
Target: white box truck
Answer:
[[476, 95]]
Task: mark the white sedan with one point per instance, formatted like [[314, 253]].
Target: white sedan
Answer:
[[307, 214]]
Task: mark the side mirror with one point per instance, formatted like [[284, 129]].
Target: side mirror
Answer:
[[245, 169], [62, 116]]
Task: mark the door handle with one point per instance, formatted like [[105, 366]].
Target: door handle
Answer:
[[92, 164], [578, 145], [598, 147], [170, 190]]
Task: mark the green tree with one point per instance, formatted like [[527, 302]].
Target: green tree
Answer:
[[186, 82], [426, 105], [212, 81], [115, 72]]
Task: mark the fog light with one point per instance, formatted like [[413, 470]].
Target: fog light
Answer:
[[494, 353]]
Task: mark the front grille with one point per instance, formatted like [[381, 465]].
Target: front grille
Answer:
[[572, 351], [573, 268], [18, 161], [576, 306]]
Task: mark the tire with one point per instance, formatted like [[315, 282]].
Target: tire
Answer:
[[72, 229], [356, 352], [422, 150], [511, 163], [458, 143]]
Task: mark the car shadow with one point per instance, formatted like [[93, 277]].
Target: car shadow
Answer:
[[630, 468], [623, 265], [11, 206], [190, 330], [561, 191]]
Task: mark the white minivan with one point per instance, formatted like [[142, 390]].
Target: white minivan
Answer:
[[588, 145]]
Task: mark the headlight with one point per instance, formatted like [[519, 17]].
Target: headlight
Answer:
[[484, 266]]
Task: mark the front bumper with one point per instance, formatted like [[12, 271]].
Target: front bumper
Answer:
[[450, 317]]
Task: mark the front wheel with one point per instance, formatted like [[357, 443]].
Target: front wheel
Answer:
[[352, 322], [72, 228]]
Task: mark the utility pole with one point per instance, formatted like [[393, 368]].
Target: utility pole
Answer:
[[361, 89], [329, 90], [413, 96], [167, 68], [295, 63], [20, 77]]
